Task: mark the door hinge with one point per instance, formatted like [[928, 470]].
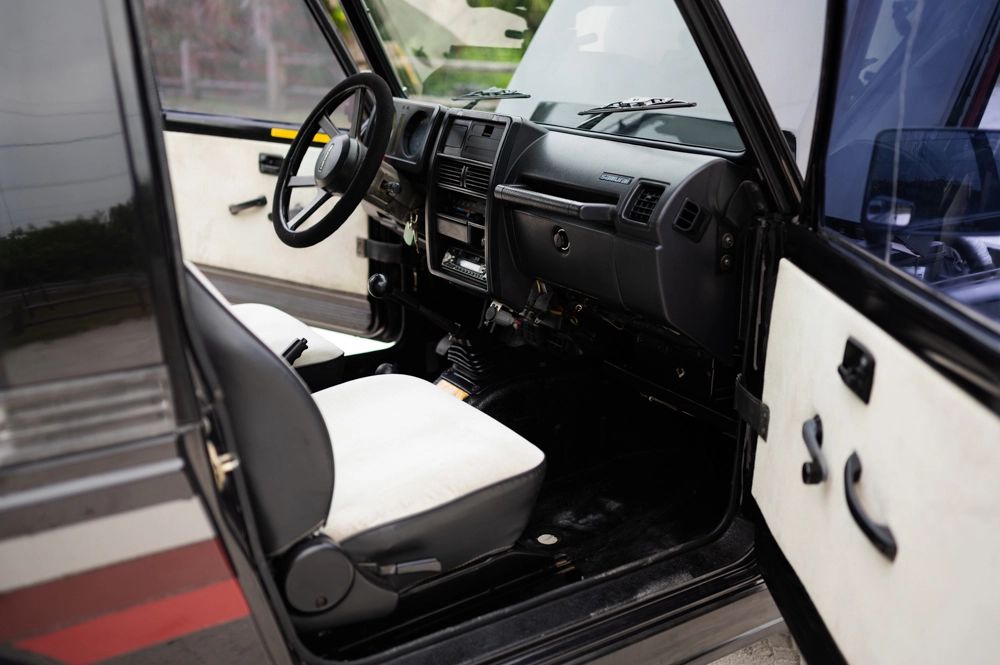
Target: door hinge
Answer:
[[222, 465], [752, 410]]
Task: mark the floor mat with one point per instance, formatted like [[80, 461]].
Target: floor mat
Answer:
[[622, 510]]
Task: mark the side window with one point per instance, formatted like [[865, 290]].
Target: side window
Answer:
[[265, 59], [913, 169]]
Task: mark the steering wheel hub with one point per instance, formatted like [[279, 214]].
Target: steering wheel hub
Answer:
[[337, 163]]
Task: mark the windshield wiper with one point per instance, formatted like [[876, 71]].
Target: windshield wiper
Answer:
[[631, 104], [490, 93]]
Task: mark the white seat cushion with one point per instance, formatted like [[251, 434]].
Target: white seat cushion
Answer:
[[278, 330], [421, 474]]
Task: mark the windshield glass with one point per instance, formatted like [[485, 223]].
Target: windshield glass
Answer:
[[569, 55]]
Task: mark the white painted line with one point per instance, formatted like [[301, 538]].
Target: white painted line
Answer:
[[39, 557]]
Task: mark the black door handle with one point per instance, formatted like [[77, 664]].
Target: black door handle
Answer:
[[237, 208], [879, 534], [813, 472]]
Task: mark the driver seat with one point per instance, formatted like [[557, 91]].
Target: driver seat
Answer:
[[424, 484]]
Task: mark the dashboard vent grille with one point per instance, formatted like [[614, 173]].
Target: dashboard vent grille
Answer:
[[450, 173], [644, 202], [477, 179], [687, 218]]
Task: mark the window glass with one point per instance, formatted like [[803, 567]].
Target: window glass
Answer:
[[568, 55], [266, 59], [74, 293], [784, 43], [913, 167]]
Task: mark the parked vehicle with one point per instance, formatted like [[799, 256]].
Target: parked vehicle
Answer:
[[632, 363]]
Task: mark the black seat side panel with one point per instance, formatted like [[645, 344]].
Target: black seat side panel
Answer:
[[281, 438]]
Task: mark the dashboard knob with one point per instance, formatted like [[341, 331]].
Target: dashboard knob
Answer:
[[560, 239], [378, 286]]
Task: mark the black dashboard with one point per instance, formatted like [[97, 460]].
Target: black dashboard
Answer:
[[511, 210]]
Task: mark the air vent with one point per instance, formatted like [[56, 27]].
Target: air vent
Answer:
[[477, 178], [688, 217], [644, 202], [450, 173], [466, 176]]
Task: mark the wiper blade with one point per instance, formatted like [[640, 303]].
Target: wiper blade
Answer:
[[490, 93], [629, 105]]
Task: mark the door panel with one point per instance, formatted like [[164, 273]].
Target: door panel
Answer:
[[325, 284], [929, 454]]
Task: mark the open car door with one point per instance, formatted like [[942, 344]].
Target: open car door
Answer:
[[878, 437], [235, 81]]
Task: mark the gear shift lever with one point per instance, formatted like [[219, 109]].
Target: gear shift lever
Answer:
[[379, 287]]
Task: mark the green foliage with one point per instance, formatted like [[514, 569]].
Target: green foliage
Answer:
[[83, 248], [448, 82]]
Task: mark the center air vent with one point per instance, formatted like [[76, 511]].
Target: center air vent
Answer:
[[450, 173], [477, 178], [465, 176], [644, 202]]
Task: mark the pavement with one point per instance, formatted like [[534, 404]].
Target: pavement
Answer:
[[776, 649]]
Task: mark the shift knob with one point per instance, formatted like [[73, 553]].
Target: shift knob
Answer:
[[378, 286]]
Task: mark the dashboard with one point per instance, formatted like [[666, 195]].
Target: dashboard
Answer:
[[509, 209]]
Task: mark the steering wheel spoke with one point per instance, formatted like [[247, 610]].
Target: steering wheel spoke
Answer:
[[302, 181], [328, 126], [307, 210], [358, 124]]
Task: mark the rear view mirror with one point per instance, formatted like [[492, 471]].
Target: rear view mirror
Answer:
[[936, 182]]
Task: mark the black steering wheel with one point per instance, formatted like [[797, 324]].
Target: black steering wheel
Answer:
[[347, 165]]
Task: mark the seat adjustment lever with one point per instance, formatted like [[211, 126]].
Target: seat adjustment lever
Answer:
[[404, 568]]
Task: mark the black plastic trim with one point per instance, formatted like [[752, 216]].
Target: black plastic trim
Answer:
[[358, 16], [517, 195], [833, 38], [329, 30], [225, 125]]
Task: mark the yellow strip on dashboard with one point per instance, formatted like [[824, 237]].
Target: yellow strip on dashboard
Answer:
[[282, 133]]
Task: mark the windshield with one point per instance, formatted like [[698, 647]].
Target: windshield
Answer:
[[568, 55]]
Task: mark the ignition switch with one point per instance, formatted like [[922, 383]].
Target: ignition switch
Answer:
[[391, 187]]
